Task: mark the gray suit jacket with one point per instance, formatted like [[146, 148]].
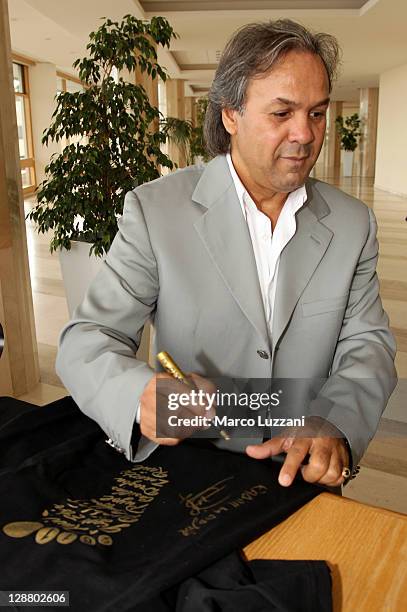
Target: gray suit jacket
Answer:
[[183, 257]]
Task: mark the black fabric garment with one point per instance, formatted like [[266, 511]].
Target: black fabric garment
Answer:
[[231, 585], [27, 430], [76, 515]]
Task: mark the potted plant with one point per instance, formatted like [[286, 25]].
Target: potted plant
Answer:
[[179, 131], [187, 137], [198, 149], [115, 147], [349, 132]]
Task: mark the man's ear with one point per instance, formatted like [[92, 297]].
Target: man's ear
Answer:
[[229, 119]]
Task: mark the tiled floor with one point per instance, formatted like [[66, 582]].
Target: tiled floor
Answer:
[[383, 478]]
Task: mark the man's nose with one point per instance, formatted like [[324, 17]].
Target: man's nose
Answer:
[[301, 130]]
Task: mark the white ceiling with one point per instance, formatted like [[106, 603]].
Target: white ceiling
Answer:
[[372, 33], [220, 5]]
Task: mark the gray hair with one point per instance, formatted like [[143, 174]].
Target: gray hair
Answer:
[[254, 50]]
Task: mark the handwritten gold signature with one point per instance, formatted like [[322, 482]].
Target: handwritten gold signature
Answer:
[[205, 507], [206, 499]]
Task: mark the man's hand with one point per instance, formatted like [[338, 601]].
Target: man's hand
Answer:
[[149, 409], [327, 452]]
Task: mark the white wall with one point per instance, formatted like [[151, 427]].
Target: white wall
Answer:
[[391, 157], [43, 84]]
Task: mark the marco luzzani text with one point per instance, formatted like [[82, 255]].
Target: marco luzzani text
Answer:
[[209, 401]]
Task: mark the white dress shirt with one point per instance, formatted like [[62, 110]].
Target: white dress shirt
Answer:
[[268, 245]]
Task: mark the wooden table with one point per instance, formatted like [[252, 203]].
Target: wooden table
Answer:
[[365, 547]]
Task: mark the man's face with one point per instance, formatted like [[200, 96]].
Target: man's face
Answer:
[[277, 139]]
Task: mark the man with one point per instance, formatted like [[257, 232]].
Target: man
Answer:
[[247, 267]]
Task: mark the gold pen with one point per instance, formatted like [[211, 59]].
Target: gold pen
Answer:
[[171, 367]]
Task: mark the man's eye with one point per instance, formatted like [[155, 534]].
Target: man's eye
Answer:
[[281, 114], [318, 114]]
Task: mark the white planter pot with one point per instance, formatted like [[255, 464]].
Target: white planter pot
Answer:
[[198, 160], [347, 158], [78, 270]]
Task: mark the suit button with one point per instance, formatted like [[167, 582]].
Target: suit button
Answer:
[[263, 354]]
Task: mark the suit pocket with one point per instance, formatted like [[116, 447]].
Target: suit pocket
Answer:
[[310, 309]]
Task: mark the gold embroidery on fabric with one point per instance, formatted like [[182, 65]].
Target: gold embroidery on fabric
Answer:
[[94, 520]]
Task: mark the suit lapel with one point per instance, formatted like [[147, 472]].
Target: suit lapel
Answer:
[[224, 232], [300, 259]]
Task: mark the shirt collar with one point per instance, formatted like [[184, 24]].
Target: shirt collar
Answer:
[[294, 201]]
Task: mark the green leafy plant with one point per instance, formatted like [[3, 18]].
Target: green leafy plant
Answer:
[[179, 131], [198, 148], [119, 147], [348, 131], [186, 136]]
